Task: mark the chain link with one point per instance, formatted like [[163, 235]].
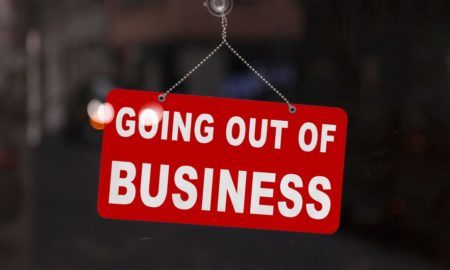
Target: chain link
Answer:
[[292, 109]]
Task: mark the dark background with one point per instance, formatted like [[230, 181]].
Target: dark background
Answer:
[[387, 62]]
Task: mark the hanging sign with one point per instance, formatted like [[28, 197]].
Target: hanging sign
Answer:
[[222, 162]]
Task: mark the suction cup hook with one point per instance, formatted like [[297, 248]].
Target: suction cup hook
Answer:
[[219, 7]]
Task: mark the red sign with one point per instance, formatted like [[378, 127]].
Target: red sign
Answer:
[[222, 162]]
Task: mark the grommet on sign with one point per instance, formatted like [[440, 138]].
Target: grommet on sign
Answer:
[[221, 8], [162, 97], [292, 109]]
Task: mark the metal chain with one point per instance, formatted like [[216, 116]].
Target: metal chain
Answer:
[[163, 97], [227, 44], [292, 109]]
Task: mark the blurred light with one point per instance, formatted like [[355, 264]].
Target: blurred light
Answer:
[[95, 125], [151, 114], [93, 107], [105, 113], [100, 114]]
